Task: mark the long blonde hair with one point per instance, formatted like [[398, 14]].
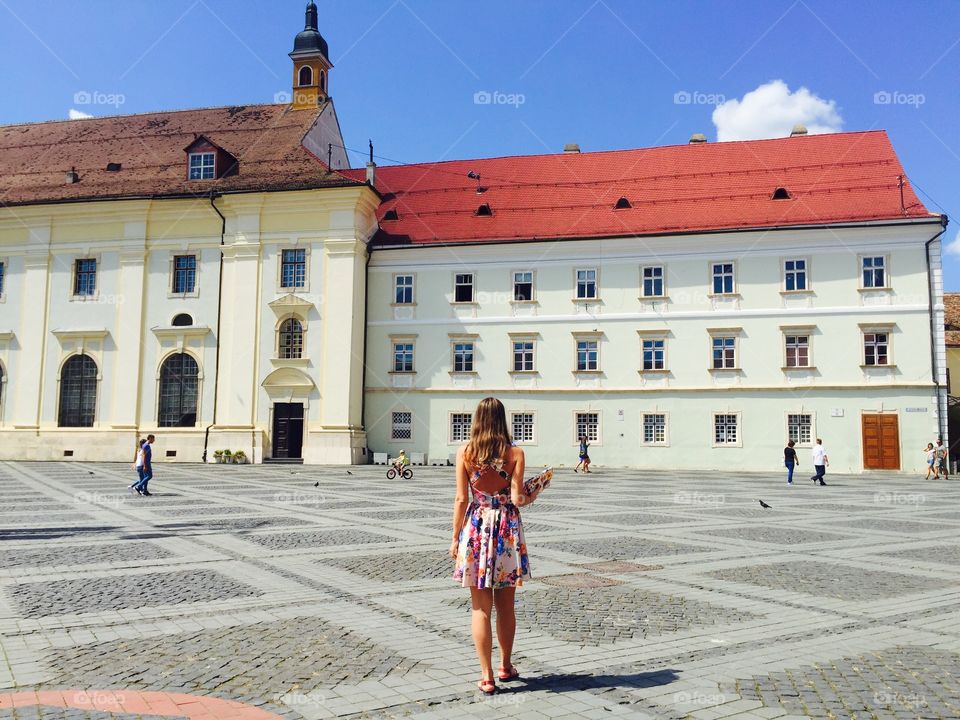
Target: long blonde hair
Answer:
[[489, 435]]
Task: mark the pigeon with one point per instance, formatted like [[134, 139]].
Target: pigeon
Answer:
[[317, 484], [349, 473], [90, 471], [764, 505]]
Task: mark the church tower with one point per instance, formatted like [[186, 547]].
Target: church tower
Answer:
[[311, 64]]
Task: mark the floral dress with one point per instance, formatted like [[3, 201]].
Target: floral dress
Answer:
[[492, 551]]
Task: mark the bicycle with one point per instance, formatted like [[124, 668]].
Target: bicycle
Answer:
[[406, 473]]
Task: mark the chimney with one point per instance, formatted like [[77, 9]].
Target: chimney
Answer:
[[72, 177], [798, 130], [697, 138], [571, 148]]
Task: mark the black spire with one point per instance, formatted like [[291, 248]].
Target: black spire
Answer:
[[310, 41]]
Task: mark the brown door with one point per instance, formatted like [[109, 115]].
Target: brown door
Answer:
[[881, 442]]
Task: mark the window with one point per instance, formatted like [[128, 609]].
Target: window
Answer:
[[523, 286], [182, 320], [654, 429], [202, 166], [184, 273], [652, 281], [305, 77], [401, 425], [587, 355], [725, 429], [78, 392], [293, 268], [463, 356], [588, 426], [798, 351], [323, 81], [794, 275], [876, 348], [724, 353], [3, 274], [290, 345], [874, 271], [523, 356], [460, 427], [179, 386], [403, 356], [800, 428], [586, 284], [463, 287], [403, 289], [722, 278], [522, 427], [85, 277], [654, 357]]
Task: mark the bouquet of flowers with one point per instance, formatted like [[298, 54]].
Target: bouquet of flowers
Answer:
[[538, 482]]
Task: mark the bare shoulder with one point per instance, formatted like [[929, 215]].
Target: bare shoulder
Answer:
[[516, 453]]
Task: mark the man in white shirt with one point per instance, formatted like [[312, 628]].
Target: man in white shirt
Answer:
[[820, 462]]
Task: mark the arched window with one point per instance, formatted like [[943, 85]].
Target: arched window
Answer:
[[179, 386], [182, 320], [323, 81], [291, 339], [305, 78], [78, 392]]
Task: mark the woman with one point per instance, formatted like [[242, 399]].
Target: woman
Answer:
[[488, 545], [584, 455], [932, 462], [138, 466], [790, 460]]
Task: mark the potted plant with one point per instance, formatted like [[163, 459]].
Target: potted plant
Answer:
[[227, 456], [240, 457], [218, 456]]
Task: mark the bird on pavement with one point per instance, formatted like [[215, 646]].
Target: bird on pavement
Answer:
[[317, 484], [764, 505]]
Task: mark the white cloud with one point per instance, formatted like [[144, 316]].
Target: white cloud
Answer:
[[772, 110], [953, 247], [77, 115]]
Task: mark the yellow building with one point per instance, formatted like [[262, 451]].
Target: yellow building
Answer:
[[196, 274]]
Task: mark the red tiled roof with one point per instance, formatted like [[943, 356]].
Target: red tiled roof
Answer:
[[951, 318], [34, 158], [836, 178]]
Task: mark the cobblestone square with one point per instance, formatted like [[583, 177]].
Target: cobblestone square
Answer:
[[310, 593]]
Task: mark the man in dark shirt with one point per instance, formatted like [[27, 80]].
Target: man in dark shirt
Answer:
[[790, 460]]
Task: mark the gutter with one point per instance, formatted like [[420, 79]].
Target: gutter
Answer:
[[216, 366], [934, 370]]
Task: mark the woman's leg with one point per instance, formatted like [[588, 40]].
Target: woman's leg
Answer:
[[506, 623], [482, 604]]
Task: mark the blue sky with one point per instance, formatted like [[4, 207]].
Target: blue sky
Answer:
[[602, 73]]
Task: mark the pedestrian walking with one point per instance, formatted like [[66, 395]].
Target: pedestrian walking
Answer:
[[943, 459], [138, 466], [820, 462], [141, 487], [932, 466], [488, 543], [584, 455], [790, 460]]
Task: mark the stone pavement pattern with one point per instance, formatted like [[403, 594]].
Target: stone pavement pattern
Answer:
[[654, 596]]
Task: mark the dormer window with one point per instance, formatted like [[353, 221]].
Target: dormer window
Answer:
[[305, 77], [202, 166]]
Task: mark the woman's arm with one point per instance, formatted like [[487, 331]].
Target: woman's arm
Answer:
[[460, 502], [517, 496]]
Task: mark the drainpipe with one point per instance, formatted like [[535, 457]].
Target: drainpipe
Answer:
[[366, 309], [941, 421], [216, 370]]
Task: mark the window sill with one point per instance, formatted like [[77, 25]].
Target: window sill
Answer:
[[523, 372], [874, 289], [729, 370], [293, 290], [84, 298], [396, 305], [799, 367], [661, 371], [587, 372], [796, 292], [402, 372], [727, 445], [524, 302], [463, 372], [587, 301], [182, 296], [721, 296], [291, 362], [467, 303], [653, 298], [889, 366], [654, 444]]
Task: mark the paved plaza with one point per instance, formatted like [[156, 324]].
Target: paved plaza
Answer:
[[247, 592]]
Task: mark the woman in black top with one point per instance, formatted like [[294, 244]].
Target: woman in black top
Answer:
[[790, 460]]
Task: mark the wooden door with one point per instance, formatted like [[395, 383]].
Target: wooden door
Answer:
[[881, 441], [287, 430]]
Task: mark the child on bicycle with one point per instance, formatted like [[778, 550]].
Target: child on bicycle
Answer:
[[400, 462]]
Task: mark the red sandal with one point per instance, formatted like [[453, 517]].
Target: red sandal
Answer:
[[487, 687], [510, 673]]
